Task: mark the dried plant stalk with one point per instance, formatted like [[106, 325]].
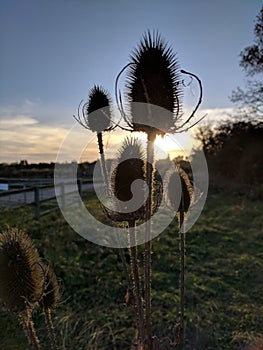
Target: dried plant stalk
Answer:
[[172, 190], [50, 300], [28, 325]]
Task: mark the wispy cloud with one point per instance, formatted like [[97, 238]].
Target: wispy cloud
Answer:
[[26, 134], [18, 121], [23, 138], [32, 131]]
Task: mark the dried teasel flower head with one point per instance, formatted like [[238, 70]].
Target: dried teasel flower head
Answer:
[[154, 79], [129, 167], [21, 275], [97, 110], [51, 295], [173, 188]]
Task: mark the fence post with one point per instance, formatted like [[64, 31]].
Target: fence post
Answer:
[[62, 193], [80, 191], [37, 203]]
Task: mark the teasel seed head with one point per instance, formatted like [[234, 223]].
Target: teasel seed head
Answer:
[[21, 275], [99, 101], [172, 188], [51, 295], [130, 167], [154, 79]]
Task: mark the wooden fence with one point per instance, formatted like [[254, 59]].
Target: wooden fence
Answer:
[[38, 194]]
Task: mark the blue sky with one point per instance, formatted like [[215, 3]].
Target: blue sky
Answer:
[[52, 52]]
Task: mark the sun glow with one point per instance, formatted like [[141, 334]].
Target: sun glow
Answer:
[[166, 146], [169, 145], [173, 145], [166, 143]]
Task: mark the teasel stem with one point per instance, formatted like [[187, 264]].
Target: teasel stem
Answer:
[[51, 297], [125, 269], [29, 328], [184, 205], [148, 270], [182, 272], [102, 160], [124, 264], [50, 328], [136, 281]]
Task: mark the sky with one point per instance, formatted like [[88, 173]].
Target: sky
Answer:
[[53, 52]]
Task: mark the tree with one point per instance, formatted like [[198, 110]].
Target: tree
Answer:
[[252, 62], [233, 151], [252, 56]]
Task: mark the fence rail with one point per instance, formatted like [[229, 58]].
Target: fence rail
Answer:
[[38, 194]]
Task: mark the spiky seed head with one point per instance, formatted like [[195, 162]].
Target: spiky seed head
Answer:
[[97, 109], [21, 275], [130, 167], [173, 188], [51, 295], [154, 79]]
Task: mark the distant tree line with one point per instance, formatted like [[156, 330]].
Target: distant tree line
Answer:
[[23, 169], [234, 152]]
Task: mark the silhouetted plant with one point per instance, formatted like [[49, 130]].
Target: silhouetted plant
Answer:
[[50, 299], [153, 79], [173, 187], [22, 279], [154, 93], [130, 167], [25, 283], [96, 116], [154, 98]]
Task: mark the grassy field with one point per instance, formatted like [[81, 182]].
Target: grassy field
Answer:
[[224, 281]]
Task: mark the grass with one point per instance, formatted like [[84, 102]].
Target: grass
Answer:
[[224, 283]]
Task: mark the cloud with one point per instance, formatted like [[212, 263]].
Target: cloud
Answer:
[[38, 110], [26, 134], [24, 137], [18, 121], [32, 131], [27, 140]]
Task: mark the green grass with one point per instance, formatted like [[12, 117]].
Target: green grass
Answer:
[[224, 283]]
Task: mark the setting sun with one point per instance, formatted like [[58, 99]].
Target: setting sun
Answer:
[[171, 145]]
